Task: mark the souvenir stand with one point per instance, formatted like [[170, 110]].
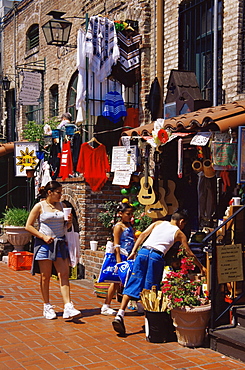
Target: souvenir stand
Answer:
[[192, 164]]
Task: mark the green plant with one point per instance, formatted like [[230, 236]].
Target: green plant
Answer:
[[180, 289], [107, 216], [15, 217], [35, 131], [140, 220]]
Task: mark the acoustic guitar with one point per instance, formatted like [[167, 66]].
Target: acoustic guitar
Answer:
[[159, 209], [146, 194], [170, 199]]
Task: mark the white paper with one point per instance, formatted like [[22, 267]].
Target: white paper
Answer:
[[123, 159], [201, 138], [121, 178]]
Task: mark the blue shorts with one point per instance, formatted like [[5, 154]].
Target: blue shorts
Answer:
[[147, 271], [43, 253]]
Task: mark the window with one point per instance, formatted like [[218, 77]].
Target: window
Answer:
[[196, 43], [32, 37], [96, 99], [54, 101]]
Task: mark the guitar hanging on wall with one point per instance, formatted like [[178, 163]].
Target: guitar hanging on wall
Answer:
[[146, 194], [159, 209], [170, 199]]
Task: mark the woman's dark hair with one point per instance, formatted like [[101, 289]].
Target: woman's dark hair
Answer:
[[51, 185], [122, 207]]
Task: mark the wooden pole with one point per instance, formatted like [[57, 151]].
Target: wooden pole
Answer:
[[159, 52]]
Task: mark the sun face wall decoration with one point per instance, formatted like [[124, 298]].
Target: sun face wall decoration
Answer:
[[26, 158]]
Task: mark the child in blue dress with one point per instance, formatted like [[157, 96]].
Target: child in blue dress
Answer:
[[123, 241]]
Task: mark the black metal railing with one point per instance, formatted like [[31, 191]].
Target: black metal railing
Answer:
[[229, 232]]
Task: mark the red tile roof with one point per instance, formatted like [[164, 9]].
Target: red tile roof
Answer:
[[224, 116]]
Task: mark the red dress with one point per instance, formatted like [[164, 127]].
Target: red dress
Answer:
[[94, 165]]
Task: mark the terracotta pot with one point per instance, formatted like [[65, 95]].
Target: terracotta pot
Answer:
[[17, 236], [191, 324]]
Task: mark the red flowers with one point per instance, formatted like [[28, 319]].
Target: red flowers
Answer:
[[179, 288]]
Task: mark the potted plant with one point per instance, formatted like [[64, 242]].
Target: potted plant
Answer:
[[189, 305], [14, 220]]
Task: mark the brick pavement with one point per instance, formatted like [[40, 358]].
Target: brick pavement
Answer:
[[28, 341]]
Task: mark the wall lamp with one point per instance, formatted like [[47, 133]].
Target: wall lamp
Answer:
[[5, 83], [57, 30]]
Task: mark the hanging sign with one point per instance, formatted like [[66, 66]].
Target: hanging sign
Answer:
[[229, 263], [31, 88], [25, 157], [121, 178], [201, 138], [124, 158]]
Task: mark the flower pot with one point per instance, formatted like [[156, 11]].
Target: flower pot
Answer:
[[158, 327], [191, 324], [17, 236]]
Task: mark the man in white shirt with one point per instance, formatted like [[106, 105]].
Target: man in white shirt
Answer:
[[149, 263]]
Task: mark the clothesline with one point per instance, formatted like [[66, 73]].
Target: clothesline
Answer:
[[104, 132]]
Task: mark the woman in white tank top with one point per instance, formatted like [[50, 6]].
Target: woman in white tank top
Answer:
[[50, 247]]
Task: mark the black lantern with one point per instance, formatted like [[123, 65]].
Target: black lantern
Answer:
[[6, 83], [57, 30]]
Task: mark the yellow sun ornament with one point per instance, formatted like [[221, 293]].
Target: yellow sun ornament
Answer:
[[26, 159]]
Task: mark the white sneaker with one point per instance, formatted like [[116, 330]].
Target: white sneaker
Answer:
[[48, 312], [108, 311], [70, 311]]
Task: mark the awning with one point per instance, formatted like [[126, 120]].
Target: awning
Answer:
[[223, 116], [6, 148]]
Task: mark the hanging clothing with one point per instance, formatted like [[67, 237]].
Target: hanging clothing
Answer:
[[105, 134], [132, 119], [153, 99], [96, 89], [81, 82], [66, 167], [93, 164], [114, 107], [127, 69], [76, 144], [54, 160], [101, 46]]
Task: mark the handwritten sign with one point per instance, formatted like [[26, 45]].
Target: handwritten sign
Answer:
[[123, 159], [121, 178], [201, 138], [229, 263]]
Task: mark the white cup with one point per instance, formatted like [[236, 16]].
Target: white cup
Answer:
[[67, 212], [93, 245], [236, 201]]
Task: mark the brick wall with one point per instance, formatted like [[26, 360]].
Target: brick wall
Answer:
[[91, 261], [87, 205], [59, 70]]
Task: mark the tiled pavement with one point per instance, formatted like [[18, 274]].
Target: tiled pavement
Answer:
[[28, 341]]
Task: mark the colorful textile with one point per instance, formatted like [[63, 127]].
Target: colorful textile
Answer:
[[94, 165], [127, 70], [101, 46], [132, 119], [114, 107], [66, 166]]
